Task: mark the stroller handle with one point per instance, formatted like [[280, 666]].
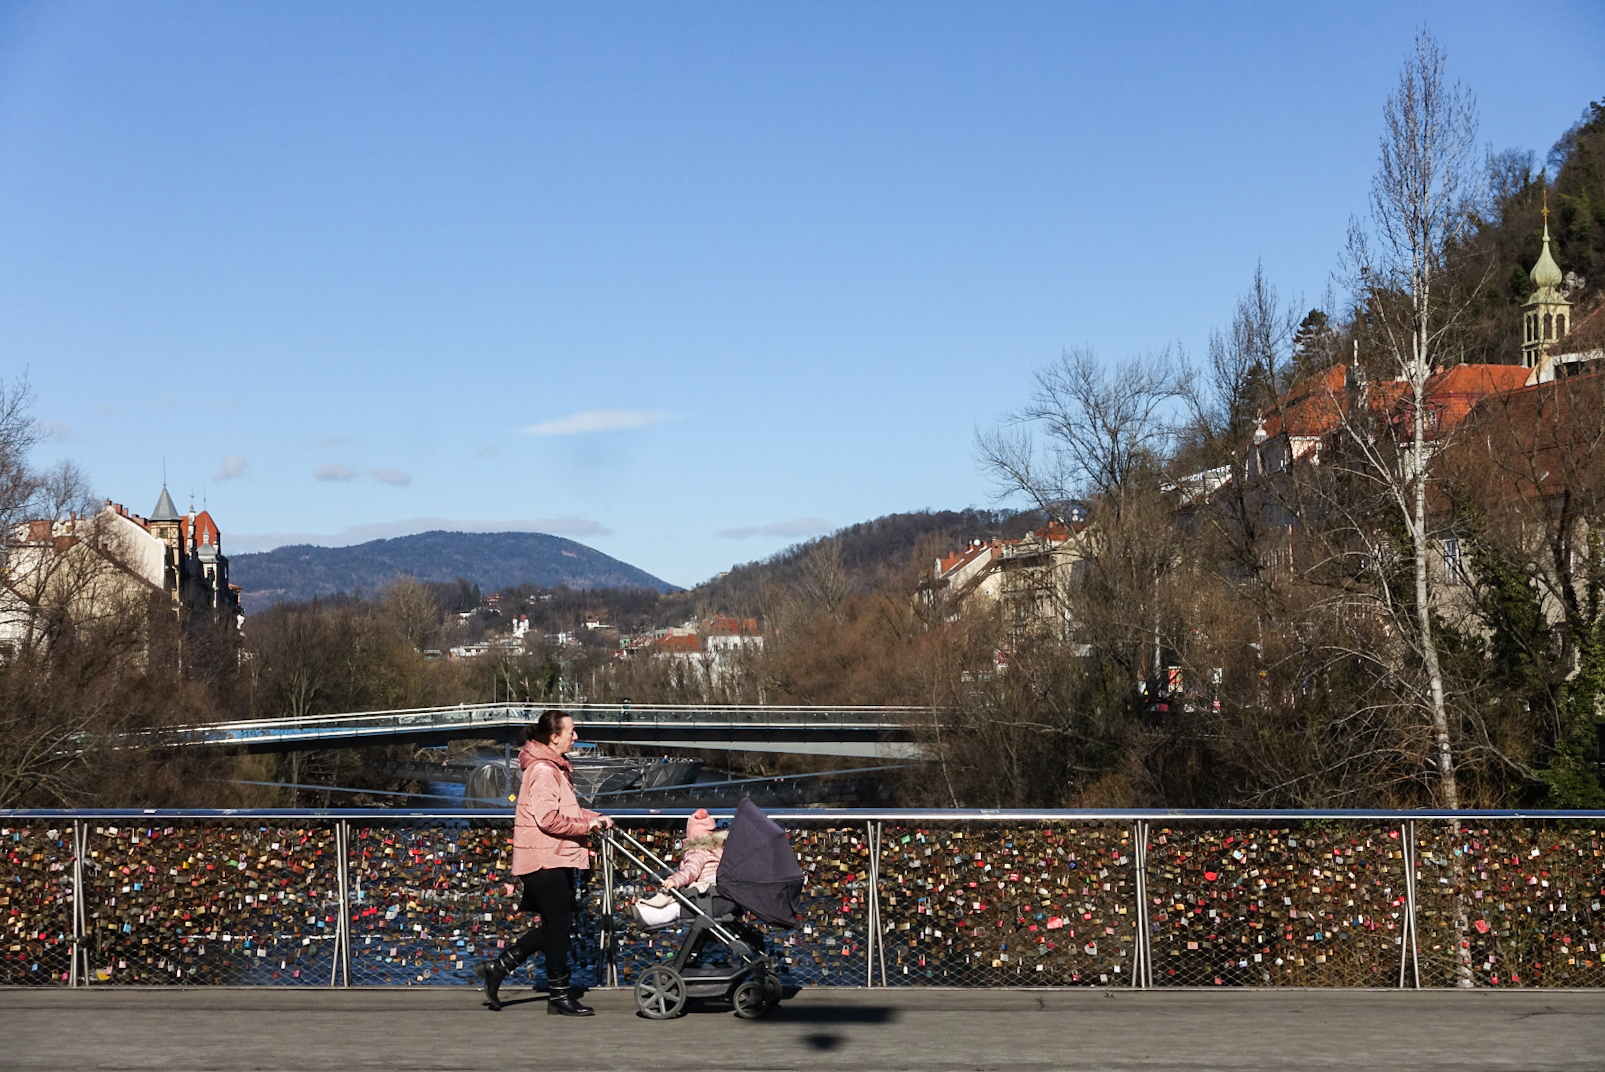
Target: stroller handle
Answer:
[[618, 838]]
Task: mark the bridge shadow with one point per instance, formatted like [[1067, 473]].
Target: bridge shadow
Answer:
[[832, 1014]]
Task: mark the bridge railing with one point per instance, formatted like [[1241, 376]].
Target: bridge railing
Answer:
[[893, 898], [498, 716]]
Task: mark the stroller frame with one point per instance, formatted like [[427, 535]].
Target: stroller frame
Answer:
[[751, 984]]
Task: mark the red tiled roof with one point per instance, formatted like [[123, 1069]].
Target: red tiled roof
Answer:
[[205, 529], [950, 562], [1534, 442], [1448, 396], [1312, 407], [675, 644]]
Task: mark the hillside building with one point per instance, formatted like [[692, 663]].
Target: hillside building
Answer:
[[713, 646], [115, 558], [1030, 579]]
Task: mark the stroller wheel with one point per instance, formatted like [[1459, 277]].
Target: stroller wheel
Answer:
[[751, 1000], [660, 993]]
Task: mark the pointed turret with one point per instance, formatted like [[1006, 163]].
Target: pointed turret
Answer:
[[1546, 315], [165, 510], [1546, 273]]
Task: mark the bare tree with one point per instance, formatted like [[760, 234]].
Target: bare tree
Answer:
[[1422, 198], [1088, 432], [414, 609]]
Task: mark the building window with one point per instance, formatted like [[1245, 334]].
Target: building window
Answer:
[[1549, 326], [1560, 325], [1452, 572]]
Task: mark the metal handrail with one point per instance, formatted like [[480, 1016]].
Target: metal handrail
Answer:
[[852, 815]]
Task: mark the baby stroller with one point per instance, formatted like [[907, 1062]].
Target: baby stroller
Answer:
[[758, 875]]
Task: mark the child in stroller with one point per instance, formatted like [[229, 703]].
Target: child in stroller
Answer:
[[699, 868], [758, 877]]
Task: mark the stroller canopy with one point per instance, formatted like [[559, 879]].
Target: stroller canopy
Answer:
[[759, 870]]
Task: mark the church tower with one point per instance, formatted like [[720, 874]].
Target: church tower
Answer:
[[1546, 316], [167, 526]]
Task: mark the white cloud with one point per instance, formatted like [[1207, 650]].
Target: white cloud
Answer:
[[60, 431], [571, 527], [797, 526], [596, 420], [334, 471], [230, 468], [395, 477]]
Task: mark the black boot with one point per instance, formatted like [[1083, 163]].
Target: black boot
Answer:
[[560, 1001], [494, 971]]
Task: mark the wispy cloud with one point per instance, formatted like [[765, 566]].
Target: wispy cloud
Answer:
[[60, 431], [110, 409], [488, 452], [334, 471], [231, 468], [797, 526], [596, 420], [571, 527], [332, 441], [394, 477]]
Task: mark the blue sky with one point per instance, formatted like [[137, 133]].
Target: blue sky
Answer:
[[686, 282]]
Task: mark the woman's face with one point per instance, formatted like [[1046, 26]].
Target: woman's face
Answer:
[[565, 736]]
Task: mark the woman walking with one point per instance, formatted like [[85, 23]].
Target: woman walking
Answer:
[[550, 845]]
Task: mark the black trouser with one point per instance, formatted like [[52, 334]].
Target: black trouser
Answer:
[[551, 893]]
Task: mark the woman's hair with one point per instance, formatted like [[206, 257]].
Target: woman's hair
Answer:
[[546, 727]]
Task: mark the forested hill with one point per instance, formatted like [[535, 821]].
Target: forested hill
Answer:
[[492, 560], [889, 551]]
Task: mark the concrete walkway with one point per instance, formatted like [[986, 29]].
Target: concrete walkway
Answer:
[[440, 1029]]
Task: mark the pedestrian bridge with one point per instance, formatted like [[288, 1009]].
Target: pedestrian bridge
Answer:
[[865, 732]]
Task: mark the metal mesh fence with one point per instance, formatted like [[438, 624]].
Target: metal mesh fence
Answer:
[[1313, 904], [1050, 901], [36, 890], [1516, 904], [1023, 905], [829, 948], [431, 900], [242, 903]]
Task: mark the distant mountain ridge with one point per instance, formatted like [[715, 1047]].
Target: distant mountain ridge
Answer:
[[492, 560]]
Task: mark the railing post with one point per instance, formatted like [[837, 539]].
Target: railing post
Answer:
[[342, 943], [1410, 908], [1142, 953], [80, 954], [610, 964], [871, 908], [1409, 949]]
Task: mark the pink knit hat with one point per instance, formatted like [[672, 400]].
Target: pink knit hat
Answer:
[[700, 824]]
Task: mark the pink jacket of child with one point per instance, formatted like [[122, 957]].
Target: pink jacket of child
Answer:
[[703, 850]]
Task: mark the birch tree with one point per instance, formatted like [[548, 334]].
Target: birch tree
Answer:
[[1421, 201]]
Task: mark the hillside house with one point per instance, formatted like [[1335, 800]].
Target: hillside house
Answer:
[[114, 559], [1029, 579]]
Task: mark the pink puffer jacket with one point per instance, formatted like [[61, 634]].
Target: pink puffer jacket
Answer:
[[550, 829]]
